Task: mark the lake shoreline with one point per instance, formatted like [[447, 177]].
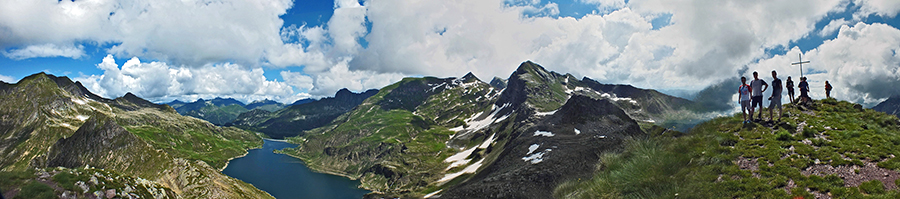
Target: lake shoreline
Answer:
[[286, 176]]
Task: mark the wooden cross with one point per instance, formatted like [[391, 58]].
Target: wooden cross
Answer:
[[801, 62]]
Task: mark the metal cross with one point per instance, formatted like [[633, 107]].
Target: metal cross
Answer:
[[801, 62]]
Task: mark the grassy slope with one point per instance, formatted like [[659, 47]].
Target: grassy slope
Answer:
[[409, 144], [716, 160]]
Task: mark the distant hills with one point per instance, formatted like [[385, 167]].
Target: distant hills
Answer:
[[221, 111], [301, 116], [60, 140]]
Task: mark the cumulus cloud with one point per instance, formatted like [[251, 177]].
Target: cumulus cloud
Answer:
[[7, 79], [45, 50], [832, 26], [183, 32], [340, 76], [884, 8], [298, 80], [159, 81], [706, 42]]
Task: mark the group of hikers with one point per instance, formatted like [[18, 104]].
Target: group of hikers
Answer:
[[751, 96]]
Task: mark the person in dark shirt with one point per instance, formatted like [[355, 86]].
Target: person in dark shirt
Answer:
[[827, 90], [789, 84], [775, 99], [804, 90]]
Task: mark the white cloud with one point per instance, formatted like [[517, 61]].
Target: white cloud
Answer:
[[606, 4], [298, 80], [707, 41], [883, 8], [832, 26], [7, 79], [45, 50], [184, 32], [346, 26], [158, 81], [340, 76]]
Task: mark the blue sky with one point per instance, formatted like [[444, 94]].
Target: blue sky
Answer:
[[283, 50]]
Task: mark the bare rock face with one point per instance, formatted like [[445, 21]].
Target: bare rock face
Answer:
[[889, 106], [551, 150], [102, 143]]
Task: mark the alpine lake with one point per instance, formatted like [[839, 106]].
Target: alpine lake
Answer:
[[286, 177]]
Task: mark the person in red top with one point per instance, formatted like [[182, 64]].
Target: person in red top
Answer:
[[827, 90]]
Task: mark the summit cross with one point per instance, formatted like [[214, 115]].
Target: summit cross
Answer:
[[801, 62]]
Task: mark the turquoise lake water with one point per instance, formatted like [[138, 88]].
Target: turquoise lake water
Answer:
[[286, 177]]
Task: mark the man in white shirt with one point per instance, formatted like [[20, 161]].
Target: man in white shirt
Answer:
[[756, 94]]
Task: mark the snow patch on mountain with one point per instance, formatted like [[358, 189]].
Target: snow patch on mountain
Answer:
[[475, 124], [535, 158], [469, 169], [543, 133], [79, 101], [613, 97], [546, 113]]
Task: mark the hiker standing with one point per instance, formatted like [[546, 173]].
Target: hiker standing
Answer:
[[775, 99], [756, 94], [744, 96], [827, 90], [789, 84], [804, 90]]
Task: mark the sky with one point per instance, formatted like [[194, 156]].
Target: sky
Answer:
[[283, 50]]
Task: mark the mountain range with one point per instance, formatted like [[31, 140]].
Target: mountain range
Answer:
[[301, 115], [464, 138], [220, 111]]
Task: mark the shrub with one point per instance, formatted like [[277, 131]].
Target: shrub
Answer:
[[783, 135], [809, 132], [872, 187], [36, 190]]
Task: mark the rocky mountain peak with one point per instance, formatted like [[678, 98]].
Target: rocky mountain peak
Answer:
[[498, 83], [132, 102], [469, 77], [532, 83], [343, 93]]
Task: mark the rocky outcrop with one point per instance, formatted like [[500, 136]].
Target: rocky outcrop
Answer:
[[102, 143], [562, 146]]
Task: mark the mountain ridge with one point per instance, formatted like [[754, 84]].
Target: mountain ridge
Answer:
[[468, 126], [50, 121]]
